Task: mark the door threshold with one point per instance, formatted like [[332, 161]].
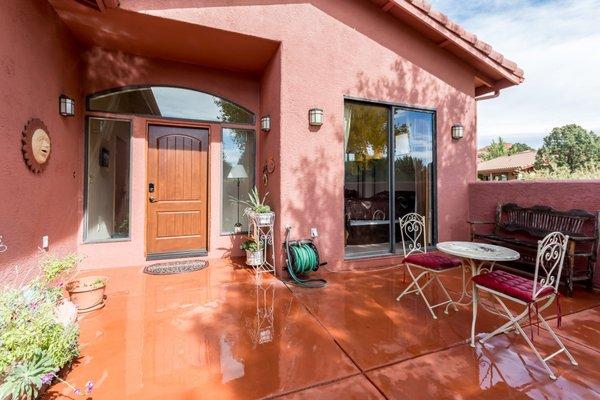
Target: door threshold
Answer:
[[176, 254]]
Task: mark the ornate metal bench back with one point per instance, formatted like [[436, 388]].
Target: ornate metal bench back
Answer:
[[538, 221]]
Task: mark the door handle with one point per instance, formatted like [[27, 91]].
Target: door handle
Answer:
[[152, 199]]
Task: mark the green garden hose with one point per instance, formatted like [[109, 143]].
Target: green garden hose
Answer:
[[302, 258]]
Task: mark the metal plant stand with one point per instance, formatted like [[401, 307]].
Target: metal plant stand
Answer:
[[261, 230]]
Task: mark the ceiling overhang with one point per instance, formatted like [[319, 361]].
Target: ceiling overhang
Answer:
[[113, 28]]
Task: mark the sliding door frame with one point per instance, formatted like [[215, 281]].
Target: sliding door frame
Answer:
[[394, 249]]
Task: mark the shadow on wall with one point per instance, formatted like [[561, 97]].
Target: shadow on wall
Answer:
[[318, 198], [359, 15], [316, 190], [455, 160], [124, 70]]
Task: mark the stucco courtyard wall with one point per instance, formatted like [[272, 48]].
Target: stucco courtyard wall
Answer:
[[561, 195], [38, 61], [334, 49]]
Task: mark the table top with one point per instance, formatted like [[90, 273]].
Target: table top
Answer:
[[478, 251]]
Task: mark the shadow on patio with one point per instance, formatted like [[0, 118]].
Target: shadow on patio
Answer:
[[216, 333]]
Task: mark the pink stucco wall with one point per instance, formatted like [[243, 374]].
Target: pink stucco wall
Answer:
[[328, 50], [38, 61], [561, 195], [334, 49]]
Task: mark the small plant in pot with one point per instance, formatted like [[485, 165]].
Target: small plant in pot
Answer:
[[87, 293], [257, 209], [254, 253]]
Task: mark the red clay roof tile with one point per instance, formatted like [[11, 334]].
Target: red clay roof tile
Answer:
[[470, 38]]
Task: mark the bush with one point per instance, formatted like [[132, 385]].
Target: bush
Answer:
[[38, 332], [555, 172], [28, 325]]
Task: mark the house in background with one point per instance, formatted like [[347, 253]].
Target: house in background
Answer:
[[506, 168], [168, 100]]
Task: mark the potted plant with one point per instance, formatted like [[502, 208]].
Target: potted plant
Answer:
[[257, 209], [87, 293], [254, 253]]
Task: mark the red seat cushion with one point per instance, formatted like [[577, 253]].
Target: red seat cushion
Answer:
[[510, 284], [435, 260]]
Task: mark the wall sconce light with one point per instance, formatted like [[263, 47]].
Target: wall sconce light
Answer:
[[458, 131], [265, 123], [315, 117], [66, 106]]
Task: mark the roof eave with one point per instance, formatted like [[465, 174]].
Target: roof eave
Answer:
[[460, 42]]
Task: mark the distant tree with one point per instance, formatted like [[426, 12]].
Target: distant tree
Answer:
[[518, 148], [569, 146], [501, 148], [495, 149]]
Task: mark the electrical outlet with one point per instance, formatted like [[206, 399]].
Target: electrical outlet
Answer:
[[314, 233], [45, 242]]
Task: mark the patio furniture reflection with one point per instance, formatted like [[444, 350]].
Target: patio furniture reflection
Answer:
[[430, 265], [543, 289]]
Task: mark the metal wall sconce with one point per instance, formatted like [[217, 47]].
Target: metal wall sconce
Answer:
[[458, 131], [66, 106], [265, 123], [315, 117]]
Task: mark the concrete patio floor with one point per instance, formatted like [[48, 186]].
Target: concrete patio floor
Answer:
[[217, 334]]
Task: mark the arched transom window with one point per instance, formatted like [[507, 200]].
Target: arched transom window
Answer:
[[170, 102]]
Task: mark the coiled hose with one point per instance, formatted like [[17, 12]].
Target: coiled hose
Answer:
[[303, 258]]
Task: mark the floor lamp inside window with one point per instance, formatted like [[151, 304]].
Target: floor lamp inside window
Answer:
[[238, 173]]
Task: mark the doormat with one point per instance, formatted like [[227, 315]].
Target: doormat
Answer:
[[175, 267]]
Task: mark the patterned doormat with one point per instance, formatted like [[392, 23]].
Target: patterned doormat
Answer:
[[175, 267]]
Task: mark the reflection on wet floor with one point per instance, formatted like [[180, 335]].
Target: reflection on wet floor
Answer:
[[220, 334]]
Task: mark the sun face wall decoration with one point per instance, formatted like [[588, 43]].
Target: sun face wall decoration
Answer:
[[36, 145]]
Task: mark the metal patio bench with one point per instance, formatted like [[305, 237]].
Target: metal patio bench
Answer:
[[520, 227]]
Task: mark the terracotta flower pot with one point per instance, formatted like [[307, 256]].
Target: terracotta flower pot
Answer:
[[87, 293]]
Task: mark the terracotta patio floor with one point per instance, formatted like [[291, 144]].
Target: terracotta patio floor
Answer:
[[217, 334]]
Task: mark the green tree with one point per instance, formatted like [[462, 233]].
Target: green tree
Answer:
[[569, 146], [518, 148], [501, 148]]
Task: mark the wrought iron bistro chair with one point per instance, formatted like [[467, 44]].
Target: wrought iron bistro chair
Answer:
[[543, 289], [430, 265]]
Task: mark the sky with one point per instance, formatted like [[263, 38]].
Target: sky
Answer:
[[557, 43]]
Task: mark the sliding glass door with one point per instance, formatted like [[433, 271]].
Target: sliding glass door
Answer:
[[413, 167], [367, 179], [370, 162]]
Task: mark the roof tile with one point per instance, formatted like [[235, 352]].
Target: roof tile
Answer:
[[522, 160], [470, 38]]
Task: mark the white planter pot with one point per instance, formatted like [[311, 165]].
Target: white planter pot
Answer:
[[254, 258], [263, 219]]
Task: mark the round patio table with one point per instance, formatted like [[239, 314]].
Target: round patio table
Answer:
[[477, 258]]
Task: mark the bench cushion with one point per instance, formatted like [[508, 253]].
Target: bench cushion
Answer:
[[510, 284], [434, 260]]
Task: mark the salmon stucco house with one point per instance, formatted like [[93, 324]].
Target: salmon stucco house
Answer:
[[128, 126]]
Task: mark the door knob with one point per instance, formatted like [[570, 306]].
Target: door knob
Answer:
[[152, 199]]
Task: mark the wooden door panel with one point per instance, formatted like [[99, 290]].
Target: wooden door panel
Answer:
[[178, 168]]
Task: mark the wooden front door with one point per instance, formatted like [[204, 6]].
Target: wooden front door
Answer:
[[177, 190]]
